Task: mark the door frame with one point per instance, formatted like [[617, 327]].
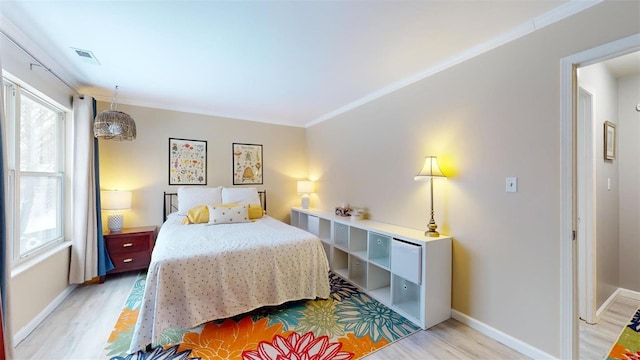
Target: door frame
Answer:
[[568, 177]]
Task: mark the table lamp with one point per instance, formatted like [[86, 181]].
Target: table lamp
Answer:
[[115, 201], [305, 187]]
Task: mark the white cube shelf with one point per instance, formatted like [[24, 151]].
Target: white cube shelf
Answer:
[[398, 266]]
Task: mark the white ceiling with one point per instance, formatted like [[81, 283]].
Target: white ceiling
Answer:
[[285, 62], [625, 65]]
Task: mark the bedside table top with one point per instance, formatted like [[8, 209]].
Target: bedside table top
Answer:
[[132, 230]]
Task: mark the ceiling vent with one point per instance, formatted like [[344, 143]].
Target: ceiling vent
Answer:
[[86, 56]]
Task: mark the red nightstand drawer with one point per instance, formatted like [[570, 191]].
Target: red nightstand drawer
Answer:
[[131, 261], [128, 244]]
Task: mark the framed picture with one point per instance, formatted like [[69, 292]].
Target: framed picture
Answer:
[[609, 140], [247, 164], [187, 162]]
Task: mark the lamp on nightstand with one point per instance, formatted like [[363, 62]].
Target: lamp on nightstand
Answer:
[[115, 201], [305, 188], [429, 171]]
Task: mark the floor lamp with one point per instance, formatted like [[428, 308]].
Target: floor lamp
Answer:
[[430, 171]]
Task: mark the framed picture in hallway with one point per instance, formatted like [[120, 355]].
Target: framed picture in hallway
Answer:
[[609, 140], [247, 164]]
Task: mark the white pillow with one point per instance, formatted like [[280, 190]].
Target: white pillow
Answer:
[[190, 197], [240, 195], [228, 214]]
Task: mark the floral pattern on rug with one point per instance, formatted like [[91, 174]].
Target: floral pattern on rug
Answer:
[[348, 325], [627, 346]]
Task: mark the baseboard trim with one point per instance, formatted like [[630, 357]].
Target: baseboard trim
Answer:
[[33, 324], [630, 293], [501, 337], [619, 292], [605, 305]]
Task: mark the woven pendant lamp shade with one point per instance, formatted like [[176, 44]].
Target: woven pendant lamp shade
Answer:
[[114, 125]]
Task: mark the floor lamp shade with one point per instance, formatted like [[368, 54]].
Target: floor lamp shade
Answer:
[[115, 201], [305, 188]]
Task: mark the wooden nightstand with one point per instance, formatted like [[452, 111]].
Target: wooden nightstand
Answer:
[[130, 249]]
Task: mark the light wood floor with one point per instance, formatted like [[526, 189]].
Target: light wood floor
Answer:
[[596, 340], [79, 328]]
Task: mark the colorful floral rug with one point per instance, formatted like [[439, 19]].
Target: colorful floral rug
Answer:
[[348, 325], [628, 345]]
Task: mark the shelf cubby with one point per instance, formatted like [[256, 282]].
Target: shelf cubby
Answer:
[[358, 271], [303, 221], [379, 283], [358, 242], [341, 262]]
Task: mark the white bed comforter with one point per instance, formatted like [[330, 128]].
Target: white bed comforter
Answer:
[[200, 273]]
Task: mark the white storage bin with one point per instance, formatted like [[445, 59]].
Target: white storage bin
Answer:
[[358, 271], [379, 249], [406, 296], [341, 236], [406, 260]]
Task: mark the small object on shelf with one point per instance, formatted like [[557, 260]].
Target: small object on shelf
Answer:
[[343, 211], [357, 214]]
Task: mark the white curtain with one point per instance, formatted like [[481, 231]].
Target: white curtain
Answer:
[[84, 249]]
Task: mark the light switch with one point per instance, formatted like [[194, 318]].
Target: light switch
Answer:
[[608, 184], [512, 184]]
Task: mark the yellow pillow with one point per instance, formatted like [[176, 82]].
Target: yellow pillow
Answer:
[[197, 215], [255, 211]]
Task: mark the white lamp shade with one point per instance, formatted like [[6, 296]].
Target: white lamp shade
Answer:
[[429, 170], [306, 187], [115, 200]]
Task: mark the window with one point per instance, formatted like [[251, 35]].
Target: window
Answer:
[[36, 171]]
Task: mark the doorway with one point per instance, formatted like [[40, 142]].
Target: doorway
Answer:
[[571, 148]]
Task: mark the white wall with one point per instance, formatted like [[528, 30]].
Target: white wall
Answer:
[[629, 184], [604, 87], [493, 116], [38, 285]]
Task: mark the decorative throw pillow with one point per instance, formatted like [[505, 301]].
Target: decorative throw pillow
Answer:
[[197, 215], [255, 211], [188, 197], [224, 214], [240, 195]]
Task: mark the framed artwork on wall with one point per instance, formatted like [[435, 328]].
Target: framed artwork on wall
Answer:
[[247, 164], [609, 140], [187, 162]]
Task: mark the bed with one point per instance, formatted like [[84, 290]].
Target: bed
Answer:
[[203, 272]]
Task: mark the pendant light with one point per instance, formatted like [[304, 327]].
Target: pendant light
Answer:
[[114, 125]]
